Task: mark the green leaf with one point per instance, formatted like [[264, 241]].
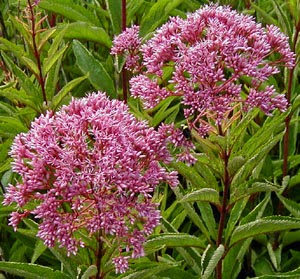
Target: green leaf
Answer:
[[207, 216], [261, 152], [174, 240], [234, 259], [216, 257], [7, 45], [157, 15], [91, 271], [290, 205], [294, 8], [58, 98], [98, 76], [275, 255], [22, 27], [32, 271], [204, 194], [50, 61], [294, 274], [256, 187], [272, 127], [13, 95], [190, 174], [11, 125], [262, 226], [114, 8], [176, 273], [148, 271], [237, 133], [192, 214], [283, 18], [70, 10], [68, 262], [205, 171], [44, 37], [25, 81], [235, 215], [52, 79], [189, 254], [266, 16], [91, 33], [31, 65], [39, 249], [164, 111]]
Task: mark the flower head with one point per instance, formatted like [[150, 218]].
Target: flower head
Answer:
[[128, 43], [209, 59], [92, 166]]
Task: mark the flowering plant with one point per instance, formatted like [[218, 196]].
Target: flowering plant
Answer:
[[91, 167], [88, 182], [217, 63], [215, 59]]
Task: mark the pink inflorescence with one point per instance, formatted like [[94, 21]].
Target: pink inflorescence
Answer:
[[92, 166], [128, 44], [213, 54]]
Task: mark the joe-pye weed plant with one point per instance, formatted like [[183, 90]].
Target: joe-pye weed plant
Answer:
[[87, 173], [216, 65]]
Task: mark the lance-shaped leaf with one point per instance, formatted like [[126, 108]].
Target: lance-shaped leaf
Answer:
[[114, 8], [190, 174], [261, 152], [164, 112], [157, 15], [58, 98], [204, 195], [33, 271], [91, 271], [294, 274], [290, 205], [39, 249], [98, 75], [148, 270], [247, 190], [215, 258], [189, 254], [51, 60], [262, 226], [91, 33], [192, 214], [27, 84], [70, 10], [174, 240]]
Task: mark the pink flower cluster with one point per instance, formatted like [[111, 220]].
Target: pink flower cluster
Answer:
[[213, 55], [90, 167], [128, 44]]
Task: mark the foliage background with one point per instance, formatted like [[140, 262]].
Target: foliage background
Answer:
[[60, 49]]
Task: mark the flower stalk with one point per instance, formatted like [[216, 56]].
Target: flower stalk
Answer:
[[40, 77], [124, 71]]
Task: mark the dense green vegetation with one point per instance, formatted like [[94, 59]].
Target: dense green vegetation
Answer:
[[236, 210]]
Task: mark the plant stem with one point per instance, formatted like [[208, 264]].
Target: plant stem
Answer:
[[124, 72], [99, 256], [226, 181], [40, 77], [289, 117]]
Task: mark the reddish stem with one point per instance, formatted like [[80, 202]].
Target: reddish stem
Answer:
[[40, 77], [124, 72], [226, 181]]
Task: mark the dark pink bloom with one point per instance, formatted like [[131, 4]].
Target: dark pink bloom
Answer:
[[92, 167], [127, 44], [207, 59]]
